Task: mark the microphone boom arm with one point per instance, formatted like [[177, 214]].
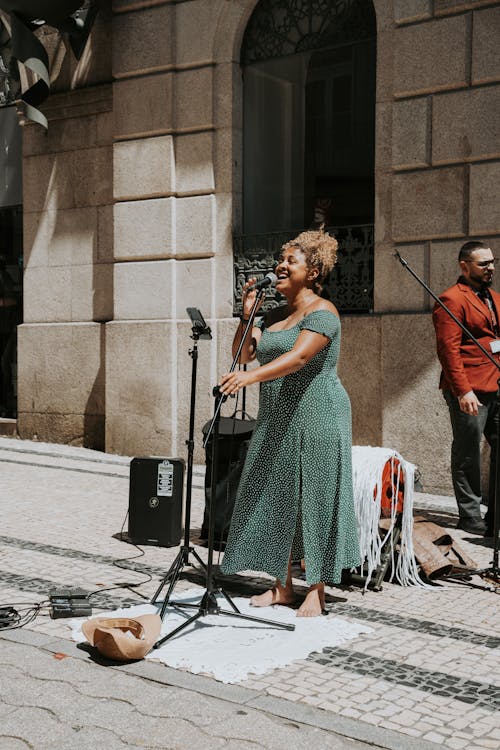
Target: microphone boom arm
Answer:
[[446, 309], [493, 572]]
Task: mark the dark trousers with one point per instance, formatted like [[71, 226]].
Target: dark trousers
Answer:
[[466, 453]]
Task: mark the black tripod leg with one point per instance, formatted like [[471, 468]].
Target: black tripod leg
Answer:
[[168, 575], [173, 580], [228, 600], [252, 618], [178, 630], [495, 570], [198, 558]]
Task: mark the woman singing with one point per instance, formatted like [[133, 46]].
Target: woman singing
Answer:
[[295, 496]]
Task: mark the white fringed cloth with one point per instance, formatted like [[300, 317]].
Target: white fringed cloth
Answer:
[[368, 464]]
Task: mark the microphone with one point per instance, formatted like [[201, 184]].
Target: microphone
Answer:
[[269, 279], [400, 258]]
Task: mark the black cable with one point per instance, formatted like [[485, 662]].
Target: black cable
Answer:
[[11, 618], [126, 584]]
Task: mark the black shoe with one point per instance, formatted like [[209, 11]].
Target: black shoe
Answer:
[[472, 525]]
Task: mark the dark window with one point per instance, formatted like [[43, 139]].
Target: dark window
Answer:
[[309, 122]]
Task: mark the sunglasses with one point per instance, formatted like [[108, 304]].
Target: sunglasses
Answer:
[[483, 263]]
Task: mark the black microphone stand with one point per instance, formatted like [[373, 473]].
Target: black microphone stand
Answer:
[[208, 604], [199, 330], [493, 572]]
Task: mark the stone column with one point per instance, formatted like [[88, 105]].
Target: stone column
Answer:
[[173, 192], [67, 254]]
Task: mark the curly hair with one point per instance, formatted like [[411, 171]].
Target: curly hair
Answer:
[[319, 249]]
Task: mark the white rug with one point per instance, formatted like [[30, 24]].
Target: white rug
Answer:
[[229, 648]]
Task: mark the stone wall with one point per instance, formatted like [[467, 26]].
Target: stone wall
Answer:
[[438, 143], [68, 253], [437, 184]]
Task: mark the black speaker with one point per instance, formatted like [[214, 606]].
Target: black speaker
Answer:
[[155, 501]]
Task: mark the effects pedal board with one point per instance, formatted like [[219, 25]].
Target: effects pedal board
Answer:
[[69, 603]]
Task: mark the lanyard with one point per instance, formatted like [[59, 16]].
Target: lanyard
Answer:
[[485, 297]]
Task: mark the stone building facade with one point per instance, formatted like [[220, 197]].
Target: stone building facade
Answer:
[[134, 195]]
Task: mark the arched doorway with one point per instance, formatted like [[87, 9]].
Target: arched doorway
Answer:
[[309, 124]]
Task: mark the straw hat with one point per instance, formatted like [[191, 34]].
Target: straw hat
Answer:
[[123, 638]]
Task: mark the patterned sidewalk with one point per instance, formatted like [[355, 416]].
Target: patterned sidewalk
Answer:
[[429, 669]]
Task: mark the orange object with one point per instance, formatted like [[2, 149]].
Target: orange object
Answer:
[[391, 490]]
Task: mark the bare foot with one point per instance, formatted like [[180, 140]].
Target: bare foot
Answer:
[[314, 603], [277, 595]]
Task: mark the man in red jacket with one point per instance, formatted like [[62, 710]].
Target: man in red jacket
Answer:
[[469, 380]]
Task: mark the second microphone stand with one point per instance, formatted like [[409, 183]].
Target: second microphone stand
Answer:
[[493, 572], [208, 604]]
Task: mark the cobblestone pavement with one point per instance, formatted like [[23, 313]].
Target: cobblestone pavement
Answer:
[[427, 674], [55, 700]]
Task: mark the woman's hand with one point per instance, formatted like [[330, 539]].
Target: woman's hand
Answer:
[[248, 298], [232, 382]]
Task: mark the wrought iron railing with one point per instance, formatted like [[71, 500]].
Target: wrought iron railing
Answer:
[[349, 286], [287, 27]]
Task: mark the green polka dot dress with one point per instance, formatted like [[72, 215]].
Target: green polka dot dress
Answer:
[[295, 496]]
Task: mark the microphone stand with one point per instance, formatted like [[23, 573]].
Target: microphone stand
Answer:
[[208, 604], [493, 572], [199, 330]]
